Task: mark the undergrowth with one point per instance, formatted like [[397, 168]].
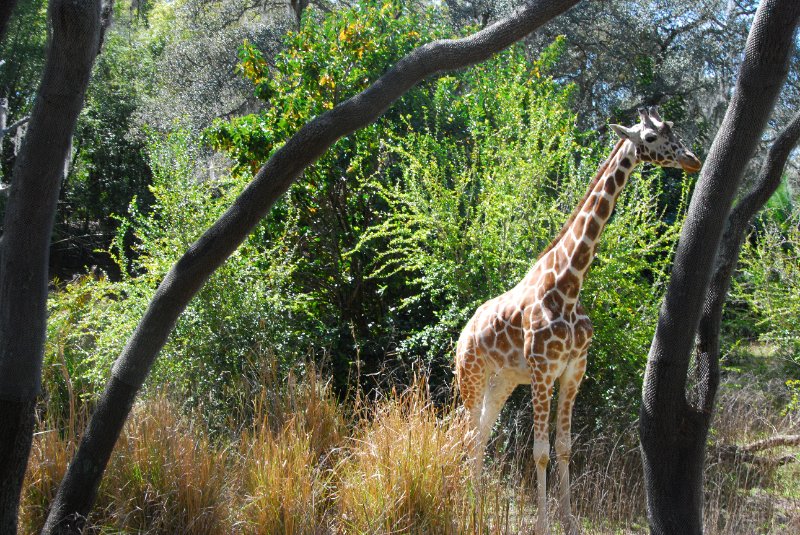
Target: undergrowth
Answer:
[[306, 463]]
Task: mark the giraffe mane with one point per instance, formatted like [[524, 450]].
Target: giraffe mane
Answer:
[[579, 207]]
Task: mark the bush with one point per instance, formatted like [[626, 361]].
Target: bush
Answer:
[[468, 216], [376, 258], [768, 283]]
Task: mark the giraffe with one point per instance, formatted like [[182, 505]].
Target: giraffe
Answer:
[[538, 332]]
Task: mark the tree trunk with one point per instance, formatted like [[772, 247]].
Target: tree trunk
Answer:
[[76, 493], [672, 432], [6, 9], [28, 223], [298, 6], [18, 420]]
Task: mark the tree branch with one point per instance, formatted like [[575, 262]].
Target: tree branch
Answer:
[[747, 453], [739, 221], [79, 487], [772, 442], [13, 127]]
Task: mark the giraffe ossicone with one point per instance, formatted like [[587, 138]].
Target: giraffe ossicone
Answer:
[[538, 333]]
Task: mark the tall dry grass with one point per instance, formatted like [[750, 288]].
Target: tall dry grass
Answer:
[[304, 463], [403, 471], [743, 497]]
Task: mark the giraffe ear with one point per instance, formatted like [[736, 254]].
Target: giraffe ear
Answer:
[[624, 133]]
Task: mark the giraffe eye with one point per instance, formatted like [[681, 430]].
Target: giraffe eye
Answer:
[[650, 137]]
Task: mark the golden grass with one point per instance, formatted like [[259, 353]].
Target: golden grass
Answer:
[[403, 471], [306, 465], [286, 476]]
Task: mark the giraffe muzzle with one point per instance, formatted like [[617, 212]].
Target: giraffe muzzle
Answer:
[[690, 163]]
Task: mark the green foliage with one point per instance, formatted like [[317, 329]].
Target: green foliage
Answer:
[[468, 216], [323, 63], [768, 282], [223, 327], [318, 224], [89, 321], [110, 167], [623, 292], [23, 50], [23, 53], [381, 252], [793, 385]]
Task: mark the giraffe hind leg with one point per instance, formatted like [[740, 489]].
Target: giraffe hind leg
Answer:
[[568, 385]]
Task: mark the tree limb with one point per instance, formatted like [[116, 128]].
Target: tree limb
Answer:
[[79, 487], [738, 222], [734, 453], [772, 442], [13, 127]]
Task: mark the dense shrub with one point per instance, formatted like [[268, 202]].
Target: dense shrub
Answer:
[[768, 281], [379, 254], [467, 217]]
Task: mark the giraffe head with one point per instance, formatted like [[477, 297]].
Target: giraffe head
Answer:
[[656, 142]]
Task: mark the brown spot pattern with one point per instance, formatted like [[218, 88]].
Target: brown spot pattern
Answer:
[[619, 178], [610, 187], [592, 229], [583, 254], [603, 208], [569, 284], [569, 244]]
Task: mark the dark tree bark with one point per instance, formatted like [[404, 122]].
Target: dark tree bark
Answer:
[[28, 223], [298, 6], [79, 487], [672, 432], [739, 221], [6, 9]]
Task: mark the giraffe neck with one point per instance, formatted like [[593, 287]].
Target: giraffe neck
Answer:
[[574, 251]]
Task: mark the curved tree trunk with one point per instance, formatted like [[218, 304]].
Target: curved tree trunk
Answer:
[[672, 432], [28, 223], [79, 487]]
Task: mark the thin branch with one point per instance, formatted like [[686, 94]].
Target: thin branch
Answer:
[[11, 129], [747, 454], [773, 442]]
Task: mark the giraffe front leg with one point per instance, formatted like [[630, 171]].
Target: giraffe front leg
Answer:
[[542, 390], [568, 383]]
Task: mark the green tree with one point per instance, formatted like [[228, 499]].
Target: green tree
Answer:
[[324, 215], [109, 166], [22, 54], [469, 214]]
